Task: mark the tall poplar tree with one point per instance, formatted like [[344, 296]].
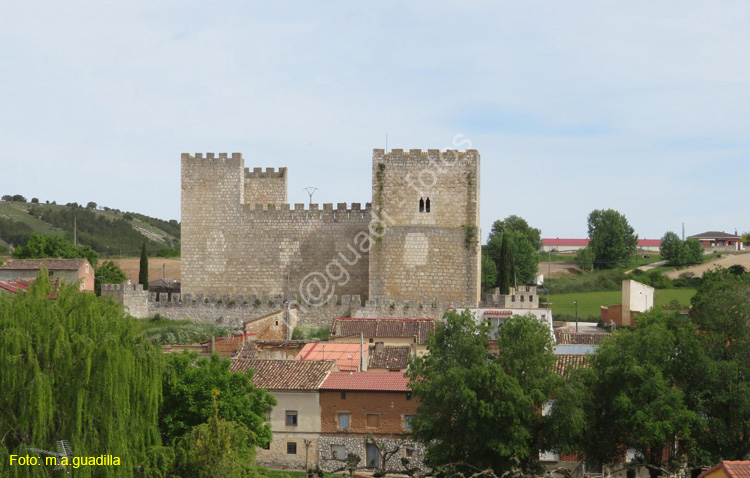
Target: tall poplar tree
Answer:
[[143, 272], [507, 266], [75, 368]]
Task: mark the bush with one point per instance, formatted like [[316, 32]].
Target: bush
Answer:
[[167, 252], [654, 278]]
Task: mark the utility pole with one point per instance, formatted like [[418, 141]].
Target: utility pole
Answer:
[[310, 190], [575, 302]]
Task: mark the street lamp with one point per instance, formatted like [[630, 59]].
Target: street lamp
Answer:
[[575, 302]]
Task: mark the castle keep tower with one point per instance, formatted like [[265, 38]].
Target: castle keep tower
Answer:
[[241, 236], [427, 205]]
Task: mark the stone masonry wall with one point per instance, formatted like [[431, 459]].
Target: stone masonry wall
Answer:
[[265, 187], [426, 255], [233, 248]]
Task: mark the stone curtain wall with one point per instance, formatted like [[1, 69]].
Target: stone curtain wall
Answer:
[[234, 248], [426, 255], [265, 187]]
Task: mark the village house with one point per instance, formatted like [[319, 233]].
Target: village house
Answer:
[[392, 332], [296, 419], [69, 271], [719, 241], [367, 414]]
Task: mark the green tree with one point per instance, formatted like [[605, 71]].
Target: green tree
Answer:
[[75, 368], [39, 247], [585, 258], [693, 252], [721, 311], [525, 258], [477, 408], [91, 205], [108, 273], [217, 449], [489, 273], [143, 271], [631, 395], [516, 223], [612, 239], [678, 252], [187, 386], [506, 268], [671, 248]]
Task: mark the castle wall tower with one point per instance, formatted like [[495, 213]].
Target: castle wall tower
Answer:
[[265, 187], [426, 211], [239, 236]]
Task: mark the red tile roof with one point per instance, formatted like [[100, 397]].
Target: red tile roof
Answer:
[[286, 374], [383, 328], [573, 338], [389, 357], [346, 355], [733, 469], [564, 364], [49, 264], [367, 381], [13, 287]]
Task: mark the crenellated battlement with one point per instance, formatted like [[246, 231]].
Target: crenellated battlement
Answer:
[[268, 173], [235, 158], [304, 211], [430, 156]]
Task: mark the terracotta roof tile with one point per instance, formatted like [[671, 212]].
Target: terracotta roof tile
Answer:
[[367, 381], [573, 338], [383, 328], [346, 355], [733, 469], [286, 374], [389, 357], [49, 264], [564, 364]]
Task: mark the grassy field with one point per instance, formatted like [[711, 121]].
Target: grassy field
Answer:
[[589, 303]]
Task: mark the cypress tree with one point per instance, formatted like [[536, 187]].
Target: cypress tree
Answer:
[[143, 272], [75, 368], [507, 268]]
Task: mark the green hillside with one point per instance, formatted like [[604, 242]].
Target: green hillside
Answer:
[[110, 232]]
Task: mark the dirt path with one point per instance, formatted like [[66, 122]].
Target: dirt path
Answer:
[[553, 270], [725, 261], [132, 265]]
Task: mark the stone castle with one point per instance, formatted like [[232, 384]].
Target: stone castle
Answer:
[[413, 252], [418, 240]]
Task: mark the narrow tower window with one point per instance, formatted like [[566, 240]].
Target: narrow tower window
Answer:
[[421, 205], [427, 205]]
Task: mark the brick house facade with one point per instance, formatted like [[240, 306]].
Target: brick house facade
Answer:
[[367, 414]]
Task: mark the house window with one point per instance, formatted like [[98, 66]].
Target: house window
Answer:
[[371, 340], [427, 205], [268, 416], [87, 268], [291, 418], [407, 421], [338, 452], [409, 450], [343, 395], [267, 446], [421, 205], [373, 420], [344, 421], [408, 395], [291, 448]]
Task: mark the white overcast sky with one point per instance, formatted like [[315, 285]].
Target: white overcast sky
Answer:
[[639, 106]]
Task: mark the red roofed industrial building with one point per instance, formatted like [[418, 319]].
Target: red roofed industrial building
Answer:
[[573, 245]]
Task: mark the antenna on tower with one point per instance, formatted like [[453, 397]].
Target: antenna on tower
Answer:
[[310, 190], [63, 451]]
